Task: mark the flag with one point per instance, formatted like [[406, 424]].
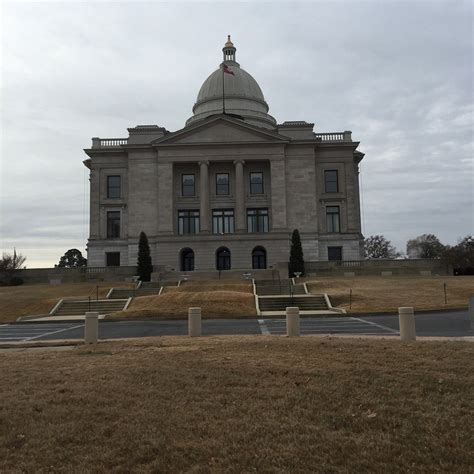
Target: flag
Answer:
[[227, 70]]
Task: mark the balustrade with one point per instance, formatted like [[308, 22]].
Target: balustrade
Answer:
[[330, 137], [108, 142]]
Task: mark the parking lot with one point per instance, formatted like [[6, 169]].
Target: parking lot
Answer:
[[32, 332], [447, 324], [355, 326]]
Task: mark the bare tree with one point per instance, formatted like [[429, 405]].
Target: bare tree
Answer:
[[10, 264], [377, 246], [425, 246]]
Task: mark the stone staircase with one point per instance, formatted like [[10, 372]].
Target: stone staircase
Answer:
[[150, 284], [79, 308], [274, 296], [304, 303], [145, 288], [121, 293], [279, 287]]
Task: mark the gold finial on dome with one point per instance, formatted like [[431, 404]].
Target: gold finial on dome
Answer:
[[229, 43]]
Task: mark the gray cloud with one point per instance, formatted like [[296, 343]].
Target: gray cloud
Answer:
[[399, 75]]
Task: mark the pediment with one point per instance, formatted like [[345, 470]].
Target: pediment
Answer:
[[220, 130]]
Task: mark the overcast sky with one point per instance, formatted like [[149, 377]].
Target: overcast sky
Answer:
[[398, 74]]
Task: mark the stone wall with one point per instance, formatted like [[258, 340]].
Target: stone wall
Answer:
[[411, 267], [75, 275]]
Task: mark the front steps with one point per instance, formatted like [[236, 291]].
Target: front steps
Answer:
[[304, 303], [67, 308], [125, 293], [274, 296], [279, 287]]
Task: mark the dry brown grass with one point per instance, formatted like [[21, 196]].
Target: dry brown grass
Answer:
[[240, 404], [212, 285], [224, 298], [175, 304], [24, 300], [372, 294]]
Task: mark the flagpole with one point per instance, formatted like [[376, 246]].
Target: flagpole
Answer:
[[223, 90]]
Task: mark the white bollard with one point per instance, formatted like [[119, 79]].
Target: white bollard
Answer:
[[406, 318], [194, 322], [91, 328], [292, 321], [471, 312]]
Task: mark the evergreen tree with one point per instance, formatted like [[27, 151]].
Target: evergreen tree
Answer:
[[296, 255], [144, 264], [72, 259]]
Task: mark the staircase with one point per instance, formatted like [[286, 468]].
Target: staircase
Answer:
[[125, 293], [278, 287], [151, 284], [79, 308], [274, 296], [304, 303], [145, 288]]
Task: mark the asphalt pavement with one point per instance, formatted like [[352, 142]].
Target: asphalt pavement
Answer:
[[443, 324]]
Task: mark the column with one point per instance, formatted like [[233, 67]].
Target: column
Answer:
[[204, 196], [94, 218], [278, 184], [164, 207], [239, 196]]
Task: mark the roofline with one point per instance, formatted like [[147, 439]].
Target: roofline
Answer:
[[189, 128]]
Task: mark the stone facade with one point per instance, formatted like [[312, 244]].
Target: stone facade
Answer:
[[142, 183]]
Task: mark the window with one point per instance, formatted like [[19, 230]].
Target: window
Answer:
[[334, 253], [222, 184], [330, 181], [259, 258], [188, 222], [223, 259], [256, 183], [113, 186], [187, 185], [113, 224], [187, 260], [332, 218], [112, 259], [223, 221], [257, 220]]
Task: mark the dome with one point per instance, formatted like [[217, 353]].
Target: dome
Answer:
[[243, 97]]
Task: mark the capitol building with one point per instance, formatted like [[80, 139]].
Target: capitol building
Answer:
[[226, 190]]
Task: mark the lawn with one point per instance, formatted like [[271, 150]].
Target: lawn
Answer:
[[24, 300], [215, 298], [372, 294], [234, 298], [239, 404]]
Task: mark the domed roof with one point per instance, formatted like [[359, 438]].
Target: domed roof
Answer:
[[242, 94]]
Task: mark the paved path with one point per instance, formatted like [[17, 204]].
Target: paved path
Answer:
[[452, 324]]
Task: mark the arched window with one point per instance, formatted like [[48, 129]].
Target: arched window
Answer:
[[187, 260], [259, 258], [223, 259]]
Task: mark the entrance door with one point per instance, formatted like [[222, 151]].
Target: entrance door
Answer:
[[223, 259], [259, 258], [187, 260]]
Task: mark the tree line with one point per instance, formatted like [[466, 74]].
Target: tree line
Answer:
[[459, 256]]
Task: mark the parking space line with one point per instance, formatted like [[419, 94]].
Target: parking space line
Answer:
[[386, 328], [55, 332], [347, 326]]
